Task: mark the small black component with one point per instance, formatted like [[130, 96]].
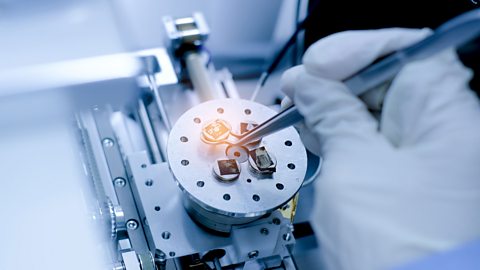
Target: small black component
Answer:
[[228, 166], [263, 160]]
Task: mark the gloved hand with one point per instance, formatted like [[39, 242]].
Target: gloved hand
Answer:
[[393, 190]]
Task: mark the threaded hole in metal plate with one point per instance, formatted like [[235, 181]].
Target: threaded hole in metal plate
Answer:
[[249, 180], [220, 110], [288, 143], [183, 139], [247, 111], [200, 183], [279, 186], [226, 197], [197, 120], [166, 235], [157, 208], [185, 162], [255, 197], [172, 254], [149, 182], [276, 221], [291, 166], [143, 166]]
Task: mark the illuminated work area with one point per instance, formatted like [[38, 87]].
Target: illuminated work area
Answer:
[[243, 134]]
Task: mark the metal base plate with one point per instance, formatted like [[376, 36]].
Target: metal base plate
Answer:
[[251, 194], [175, 234]]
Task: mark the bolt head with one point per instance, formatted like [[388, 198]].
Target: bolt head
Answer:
[[107, 142], [119, 182], [132, 224], [253, 254], [287, 237]]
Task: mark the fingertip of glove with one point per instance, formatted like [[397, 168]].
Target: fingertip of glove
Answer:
[[289, 80], [286, 102]]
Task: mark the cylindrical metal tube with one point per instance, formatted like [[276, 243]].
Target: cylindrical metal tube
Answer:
[[200, 77]]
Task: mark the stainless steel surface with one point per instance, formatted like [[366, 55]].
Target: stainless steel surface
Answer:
[[159, 71], [162, 205], [277, 122], [158, 98], [156, 153], [166, 75], [191, 162], [146, 261], [186, 30], [114, 159]]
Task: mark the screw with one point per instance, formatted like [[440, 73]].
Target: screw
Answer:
[[149, 182], [166, 235], [132, 224], [287, 236], [160, 256], [107, 142], [119, 182], [276, 221], [264, 231], [253, 254]]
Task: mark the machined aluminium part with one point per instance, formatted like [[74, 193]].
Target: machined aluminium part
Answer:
[[220, 188], [186, 30]]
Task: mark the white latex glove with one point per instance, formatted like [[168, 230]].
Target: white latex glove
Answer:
[[393, 191]]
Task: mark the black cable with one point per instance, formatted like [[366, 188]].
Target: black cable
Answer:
[[295, 44], [276, 60]]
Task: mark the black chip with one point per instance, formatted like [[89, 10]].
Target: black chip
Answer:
[[262, 159], [228, 166]]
